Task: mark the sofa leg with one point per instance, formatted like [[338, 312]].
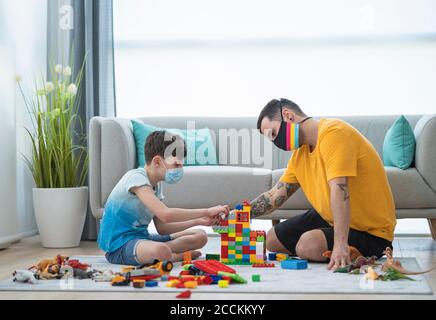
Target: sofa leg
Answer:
[[275, 221], [432, 224]]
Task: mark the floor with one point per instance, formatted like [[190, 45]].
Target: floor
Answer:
[[28, 251]]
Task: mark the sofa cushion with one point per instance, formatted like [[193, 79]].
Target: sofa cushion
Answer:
[[399, 145], [205, 186]]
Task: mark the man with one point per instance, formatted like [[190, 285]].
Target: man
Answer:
[[343, 179]]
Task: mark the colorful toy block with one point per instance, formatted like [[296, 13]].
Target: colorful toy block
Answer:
[[215, 278], [272, 256], [191, 284], [138, 284], [212, 266], [294, 264], [282, 256], [223, 283], [210, 256], [255, 277], [235, 277], [151, 283], [263, 265], [184, 295], [239, 244]]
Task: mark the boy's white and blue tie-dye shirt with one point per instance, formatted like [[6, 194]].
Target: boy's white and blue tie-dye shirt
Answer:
[[125, 217]]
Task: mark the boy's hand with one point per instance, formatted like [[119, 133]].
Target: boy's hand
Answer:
[[214, 211], [209, 221]]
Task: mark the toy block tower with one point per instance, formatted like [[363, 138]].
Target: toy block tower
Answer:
[[239, 244]]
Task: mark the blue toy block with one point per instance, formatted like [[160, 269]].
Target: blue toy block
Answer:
[[215, 278], [151, 283], [294, 264], [272, 256]]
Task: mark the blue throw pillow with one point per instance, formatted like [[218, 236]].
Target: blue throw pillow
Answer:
[[200, 147], [399, 145]]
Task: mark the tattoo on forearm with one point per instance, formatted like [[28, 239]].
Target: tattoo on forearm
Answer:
[[279, 201], [272, 200], [344, 189], [261, 205]]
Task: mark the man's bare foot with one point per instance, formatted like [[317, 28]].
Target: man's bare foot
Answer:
[[176, 257]]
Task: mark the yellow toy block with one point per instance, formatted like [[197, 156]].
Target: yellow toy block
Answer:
[[172, 283], [232, 251], [191, 284], [239, 239], [225, 243], [223, 283], [239, 256]]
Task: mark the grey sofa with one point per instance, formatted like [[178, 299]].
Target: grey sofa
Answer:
[[112, 153]]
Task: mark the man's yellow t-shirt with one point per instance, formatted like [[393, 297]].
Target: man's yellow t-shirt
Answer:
[[342, 151]]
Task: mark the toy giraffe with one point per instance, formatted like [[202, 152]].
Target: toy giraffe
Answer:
[[240, 244]]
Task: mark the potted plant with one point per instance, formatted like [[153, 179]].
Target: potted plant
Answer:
[[58, 160]]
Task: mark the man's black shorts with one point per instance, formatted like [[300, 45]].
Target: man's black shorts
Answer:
[[289, 232]]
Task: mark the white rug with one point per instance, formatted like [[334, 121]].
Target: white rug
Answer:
[[315, 279]]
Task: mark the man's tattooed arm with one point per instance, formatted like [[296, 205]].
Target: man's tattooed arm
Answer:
[[273, 199]]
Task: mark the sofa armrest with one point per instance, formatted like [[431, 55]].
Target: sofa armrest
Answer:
[[425, 154], [111, 154]]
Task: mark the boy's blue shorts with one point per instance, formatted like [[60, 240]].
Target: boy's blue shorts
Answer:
[[126, 255]]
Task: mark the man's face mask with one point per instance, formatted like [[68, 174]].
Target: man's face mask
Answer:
[[288, 136]]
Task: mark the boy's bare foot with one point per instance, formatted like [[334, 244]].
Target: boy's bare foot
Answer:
[[176, 257]]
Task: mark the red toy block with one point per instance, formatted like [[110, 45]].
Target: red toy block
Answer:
[[180, 285], [184, 295], [212, 266], [263, 265]]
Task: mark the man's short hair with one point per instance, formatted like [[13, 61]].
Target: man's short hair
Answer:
[[273, 108], [157, 143]]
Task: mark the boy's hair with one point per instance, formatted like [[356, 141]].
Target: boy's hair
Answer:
[[163, 143]]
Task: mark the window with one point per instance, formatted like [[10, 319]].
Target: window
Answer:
[[228, 58]]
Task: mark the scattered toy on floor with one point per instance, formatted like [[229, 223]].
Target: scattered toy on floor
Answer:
[[354, 254], [138, 284], [184, 294], [294, 264], [391, 263], [24, 276], [263, 265], [282, 256], [223, 283], [255, 277], [210, 256]]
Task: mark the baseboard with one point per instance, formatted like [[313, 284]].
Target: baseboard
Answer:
[[7, 241]]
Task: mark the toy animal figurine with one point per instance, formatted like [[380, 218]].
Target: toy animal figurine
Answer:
[[24, 276], [43, 264], [354, 254], [105, 276], [391, 263]]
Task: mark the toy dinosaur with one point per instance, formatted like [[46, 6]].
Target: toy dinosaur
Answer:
[[391, 263], [354, 254]]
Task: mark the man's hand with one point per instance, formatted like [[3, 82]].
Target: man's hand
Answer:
[[340, 256], [214, 211]]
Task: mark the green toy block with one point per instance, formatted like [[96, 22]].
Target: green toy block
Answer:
[[235, 277], [187, 266], [210, 256], [255, 277]]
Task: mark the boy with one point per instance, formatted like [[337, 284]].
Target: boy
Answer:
[[136, 200]]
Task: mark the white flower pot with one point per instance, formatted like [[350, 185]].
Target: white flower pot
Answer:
[[60, 215]]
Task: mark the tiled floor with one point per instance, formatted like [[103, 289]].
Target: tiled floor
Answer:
[[23, 254]]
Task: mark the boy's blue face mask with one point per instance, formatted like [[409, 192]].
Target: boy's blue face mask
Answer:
[[173, 175]]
